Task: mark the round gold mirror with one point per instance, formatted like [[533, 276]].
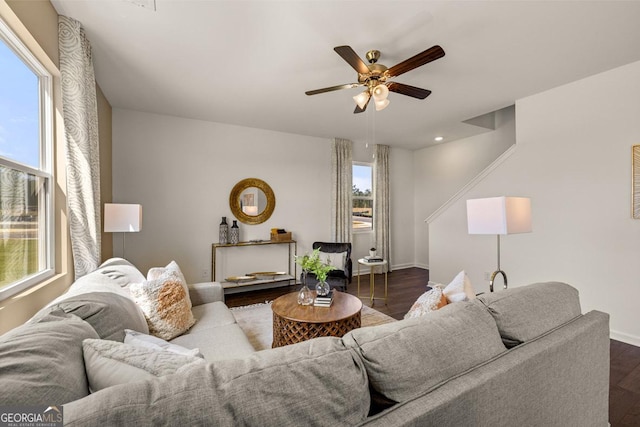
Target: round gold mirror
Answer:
[[252, 201]]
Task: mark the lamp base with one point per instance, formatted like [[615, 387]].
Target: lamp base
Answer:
[[493, 276]]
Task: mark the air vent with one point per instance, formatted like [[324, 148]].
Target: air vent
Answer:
[[147, 4]]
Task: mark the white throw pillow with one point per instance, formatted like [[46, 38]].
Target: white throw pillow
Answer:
[[165, 303], [335, 259], [139, 339], [460, 289], [171, 268], [430, 301], [109, 363]]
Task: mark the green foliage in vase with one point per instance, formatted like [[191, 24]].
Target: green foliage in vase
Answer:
[[313, 264]]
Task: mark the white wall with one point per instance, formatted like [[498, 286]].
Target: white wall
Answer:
[[442, 170], [182, 172], [573, 158]]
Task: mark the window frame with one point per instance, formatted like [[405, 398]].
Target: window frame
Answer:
[[46, 234], [370, 165]]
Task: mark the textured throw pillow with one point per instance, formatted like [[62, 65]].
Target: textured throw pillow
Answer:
[[430, 301], [460, 288], [335, 259], [109, 363], [166, 305], [41, 362], [156, 272], [138, 339]]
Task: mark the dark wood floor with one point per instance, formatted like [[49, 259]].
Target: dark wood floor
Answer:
[[408, 284]]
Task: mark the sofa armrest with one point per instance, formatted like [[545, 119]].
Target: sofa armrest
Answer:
[[202, 293]]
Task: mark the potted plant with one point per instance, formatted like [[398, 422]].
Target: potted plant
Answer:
[[372, 252], [311, 263]]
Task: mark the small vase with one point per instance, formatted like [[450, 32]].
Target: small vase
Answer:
[[304, 296], [372, 254], [234, 233], [223, 236], [322, 288]]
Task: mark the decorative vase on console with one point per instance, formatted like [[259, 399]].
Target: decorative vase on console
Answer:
[[223, 236], [304, 295], [234, 233]]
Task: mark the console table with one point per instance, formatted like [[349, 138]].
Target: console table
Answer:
[[231, 287]]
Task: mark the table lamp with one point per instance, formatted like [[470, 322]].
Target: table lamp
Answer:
[[122, 218], [499, 215]]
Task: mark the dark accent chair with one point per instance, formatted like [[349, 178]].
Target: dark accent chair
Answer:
[[337, 278]]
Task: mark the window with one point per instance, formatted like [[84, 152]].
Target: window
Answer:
[[362, 197], [26, 205]]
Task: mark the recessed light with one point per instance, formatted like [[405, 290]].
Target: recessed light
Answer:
[[438, 138]]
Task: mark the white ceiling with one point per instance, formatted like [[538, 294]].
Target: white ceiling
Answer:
[[249, 62]]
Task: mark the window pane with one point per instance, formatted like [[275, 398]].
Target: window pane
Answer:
[[362, 214], [19, 110], [20, 205], [362, 197], [362, 184]]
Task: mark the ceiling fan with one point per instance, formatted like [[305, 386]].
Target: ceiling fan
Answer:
[[376, 77]]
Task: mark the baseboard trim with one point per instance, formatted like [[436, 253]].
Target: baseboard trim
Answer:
[[626, 338]]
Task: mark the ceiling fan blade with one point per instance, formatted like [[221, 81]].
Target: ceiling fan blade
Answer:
[[332, 88], [412, 91], [416, 61], [352, 58]]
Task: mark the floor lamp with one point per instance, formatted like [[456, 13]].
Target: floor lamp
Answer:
[[122, 218], [499, 215]]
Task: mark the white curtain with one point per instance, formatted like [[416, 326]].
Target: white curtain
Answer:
[[381, 199], [341, 189], [81, 131]]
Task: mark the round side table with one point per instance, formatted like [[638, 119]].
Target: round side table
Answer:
[[293, 323]]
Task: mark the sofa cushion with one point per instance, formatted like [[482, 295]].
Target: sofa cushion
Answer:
[[317, 382], [222, 342], [408, 357], [165, 303], [211, 315], [108, 313], [114, 275], [529, 311], [109, 363], [41, 362]]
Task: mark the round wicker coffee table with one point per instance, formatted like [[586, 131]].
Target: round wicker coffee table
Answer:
[[294, 323]]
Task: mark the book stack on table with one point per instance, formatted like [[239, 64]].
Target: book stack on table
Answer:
[[373, 259], [324, 301]]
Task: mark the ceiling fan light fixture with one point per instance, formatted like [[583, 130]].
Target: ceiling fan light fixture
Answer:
[[380, 92], [362, 99], [382, 104]]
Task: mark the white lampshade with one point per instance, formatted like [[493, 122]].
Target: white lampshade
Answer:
[[381, 105], [499, 215], [362, 99], [380, 92], [122, 218]]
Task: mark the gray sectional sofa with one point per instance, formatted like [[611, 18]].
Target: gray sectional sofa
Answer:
[[525, 356]]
